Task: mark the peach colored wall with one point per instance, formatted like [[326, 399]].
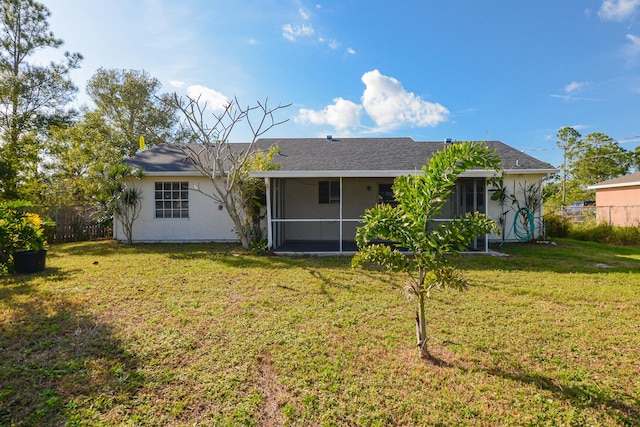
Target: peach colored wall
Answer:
[[619, 206]]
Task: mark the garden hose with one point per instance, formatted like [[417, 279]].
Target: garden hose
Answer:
[[520, 230]]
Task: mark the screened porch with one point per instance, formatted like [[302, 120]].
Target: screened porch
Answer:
[[307, 214]]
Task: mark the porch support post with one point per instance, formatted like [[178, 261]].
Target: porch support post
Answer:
[[267, 185], [340, 237], [486, 211]]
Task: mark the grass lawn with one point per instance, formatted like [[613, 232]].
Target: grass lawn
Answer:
[[208, 335]]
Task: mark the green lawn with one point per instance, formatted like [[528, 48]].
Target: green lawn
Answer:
[[208, 335]]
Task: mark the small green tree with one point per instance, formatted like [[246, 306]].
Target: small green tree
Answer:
[[251, 194], [413, 242], [121, 198]]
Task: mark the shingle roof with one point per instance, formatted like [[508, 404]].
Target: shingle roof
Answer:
[[623, 181], [378, 154], [339, 154]]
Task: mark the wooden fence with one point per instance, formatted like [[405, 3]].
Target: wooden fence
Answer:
[[73, 223]]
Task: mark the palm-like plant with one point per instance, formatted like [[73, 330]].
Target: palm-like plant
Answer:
[[412, 241], [120, 197]]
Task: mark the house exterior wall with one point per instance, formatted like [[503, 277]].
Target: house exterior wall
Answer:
[[619, 206], [206, 223], [514, 185]]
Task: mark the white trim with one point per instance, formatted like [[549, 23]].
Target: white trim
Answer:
[[174, 173], [267, 185], [529, 171], [618, 185], [340, 223], [359, 174]]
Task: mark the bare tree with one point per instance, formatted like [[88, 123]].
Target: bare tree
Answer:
[[222, 161]]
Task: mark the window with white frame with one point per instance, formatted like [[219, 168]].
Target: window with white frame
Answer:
[[172, 199]]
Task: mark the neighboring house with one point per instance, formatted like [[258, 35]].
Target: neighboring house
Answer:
[[315, 199], [618, 201]]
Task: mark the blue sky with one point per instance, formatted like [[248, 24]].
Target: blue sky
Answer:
[[509, 70]]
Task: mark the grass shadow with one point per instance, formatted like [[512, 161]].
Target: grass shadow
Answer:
[[565, 257], [584, 396], [55, 355]]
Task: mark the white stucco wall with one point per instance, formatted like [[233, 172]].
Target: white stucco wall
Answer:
[[206, 222], [514, 185]]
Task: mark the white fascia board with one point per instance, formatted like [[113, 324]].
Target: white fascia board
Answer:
[[174, 173], [359, 174], [529, 171], [621, 184]]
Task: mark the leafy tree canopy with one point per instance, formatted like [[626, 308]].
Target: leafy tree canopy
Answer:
[[129, 102]]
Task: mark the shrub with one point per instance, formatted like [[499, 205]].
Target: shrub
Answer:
[[19, 230], [604, 233], [556, 225]]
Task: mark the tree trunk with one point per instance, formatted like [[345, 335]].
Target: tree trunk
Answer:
[[421, 329]]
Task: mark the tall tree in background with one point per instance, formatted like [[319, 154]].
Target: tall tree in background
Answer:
[[600, 158], [78, 154], [568, 141], [589, 160], [128, 101], [31, 96]]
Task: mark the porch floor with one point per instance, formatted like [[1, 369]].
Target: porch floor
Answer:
[[330, 247], [316, 246]]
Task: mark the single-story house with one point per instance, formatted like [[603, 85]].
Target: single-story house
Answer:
[[315, 199], [618, 201]]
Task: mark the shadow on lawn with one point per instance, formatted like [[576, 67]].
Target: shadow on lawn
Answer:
[[55, 357], [564, 258], [584, 396], [229, 254]]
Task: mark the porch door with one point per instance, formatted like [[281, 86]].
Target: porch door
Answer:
[[471, 197]]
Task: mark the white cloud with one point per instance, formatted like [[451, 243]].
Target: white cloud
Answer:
[[176, 83], [215, 100], [304, 14], [292, 32], [574, 86], [618, 10], [333, 44], [351, 51], [390, 105], [387, 103], [343, 114], [633, 50]]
